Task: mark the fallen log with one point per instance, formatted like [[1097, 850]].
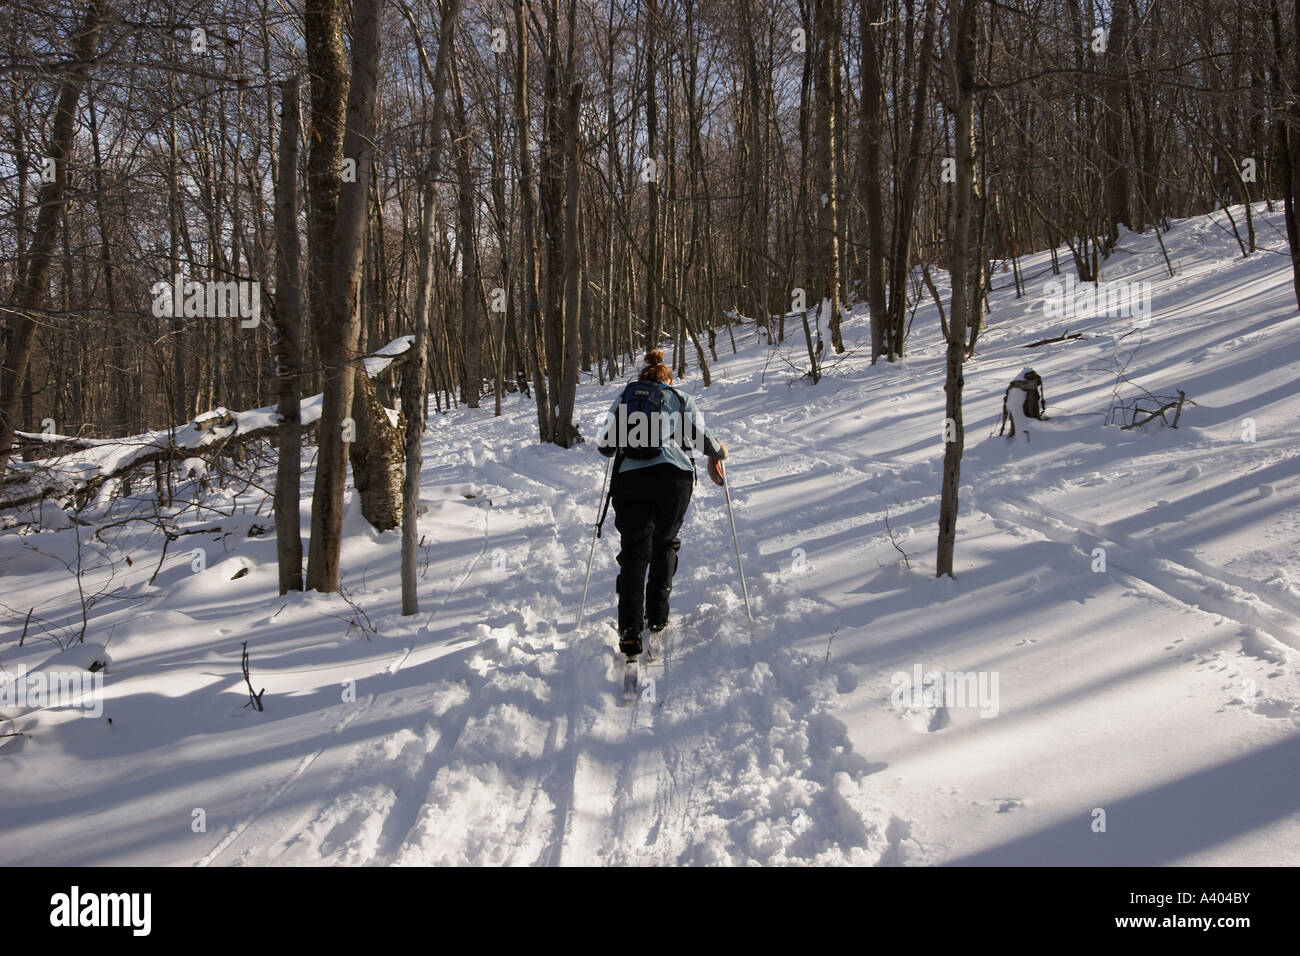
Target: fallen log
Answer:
[[1065, 336], [1176, 405], [82, 465]]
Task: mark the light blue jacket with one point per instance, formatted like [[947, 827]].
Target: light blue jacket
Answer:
[[677, 406]]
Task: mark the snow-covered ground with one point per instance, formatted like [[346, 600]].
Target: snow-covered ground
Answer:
[[1140, 703]]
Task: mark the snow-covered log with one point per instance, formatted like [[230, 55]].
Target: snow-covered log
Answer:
[[80, 465]]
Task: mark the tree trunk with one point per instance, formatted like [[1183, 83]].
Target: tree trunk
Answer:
[[826, 202], [340, 316], [963, 51], [873, 184], [124, 405], [376, 455], [905, 200], [471, 296], [653, 320], [1288, 125], [415, 401], [13, 374], [533, 317], [180, 393], [1115, 169], [288, 327], [328, 67], [753, 272], [563, 430]]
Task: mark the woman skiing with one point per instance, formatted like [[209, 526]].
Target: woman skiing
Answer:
[[650, 430]]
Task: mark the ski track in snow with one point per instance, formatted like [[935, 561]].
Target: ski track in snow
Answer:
[[1182, 576], [522, 753], [525, 756], [1266, 623], [390, 750]]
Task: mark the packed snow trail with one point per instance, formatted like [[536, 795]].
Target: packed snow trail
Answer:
[[1134, 593], [515, 750]]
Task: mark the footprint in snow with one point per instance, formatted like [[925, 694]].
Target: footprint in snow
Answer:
[[926, 720], [1262, 646], [1272, 707]]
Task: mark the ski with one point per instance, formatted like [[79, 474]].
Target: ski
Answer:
[[650, 652], [630, 673]]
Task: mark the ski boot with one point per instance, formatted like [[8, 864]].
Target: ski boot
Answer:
[[629, 642]]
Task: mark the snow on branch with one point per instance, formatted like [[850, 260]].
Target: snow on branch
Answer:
[[81, 465]]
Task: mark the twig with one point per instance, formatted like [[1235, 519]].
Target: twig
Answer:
[[894, 542], [360, 619], [254, 700], [167, 539], [425, 550]]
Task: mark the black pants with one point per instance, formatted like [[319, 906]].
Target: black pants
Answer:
[[649, 505]]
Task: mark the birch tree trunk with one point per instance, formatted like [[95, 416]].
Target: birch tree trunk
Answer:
[[826, 202]]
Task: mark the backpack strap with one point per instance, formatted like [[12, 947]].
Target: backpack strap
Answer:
[[621, 454]]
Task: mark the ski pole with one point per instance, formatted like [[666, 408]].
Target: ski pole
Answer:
[[726, 488], [583, 606]]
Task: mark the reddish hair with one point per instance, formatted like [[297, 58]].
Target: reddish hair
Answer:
[[655, 369]]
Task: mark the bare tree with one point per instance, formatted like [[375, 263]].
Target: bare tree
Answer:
[[35, 288], [565, 434], [288, 313], [962, 51], [340, 318], [414, 385]]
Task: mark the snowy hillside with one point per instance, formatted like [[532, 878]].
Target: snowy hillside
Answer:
[[1152, 679]]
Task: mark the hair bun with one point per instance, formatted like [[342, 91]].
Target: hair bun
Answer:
[[654, 357]]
